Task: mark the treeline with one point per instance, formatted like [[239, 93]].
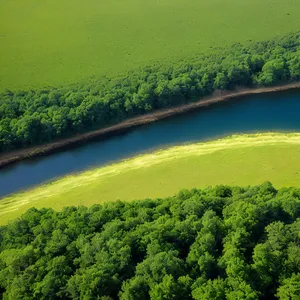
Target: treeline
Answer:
[[42, 115], [216, 243]]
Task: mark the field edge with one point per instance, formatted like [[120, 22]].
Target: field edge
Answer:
[[16, 202]]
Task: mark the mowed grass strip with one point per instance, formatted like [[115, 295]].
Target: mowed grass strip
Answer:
[[238, 160], [55, 42]]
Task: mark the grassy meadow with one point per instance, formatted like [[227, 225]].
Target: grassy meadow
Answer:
[[239, 160], [63, 41]]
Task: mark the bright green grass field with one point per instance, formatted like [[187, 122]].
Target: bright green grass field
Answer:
[[53, 42], [239, 160]]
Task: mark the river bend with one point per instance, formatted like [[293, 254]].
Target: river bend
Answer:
[[256, 113]]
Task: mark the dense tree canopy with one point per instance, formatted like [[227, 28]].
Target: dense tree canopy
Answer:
[[215, 243], [36, 116]]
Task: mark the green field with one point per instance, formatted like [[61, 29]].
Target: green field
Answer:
[[62, 41], [239, 160]]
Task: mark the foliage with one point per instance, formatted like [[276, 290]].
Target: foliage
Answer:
[[216, 243], [42, 115]]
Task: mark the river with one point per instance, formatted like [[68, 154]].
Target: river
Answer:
[[266, 112]]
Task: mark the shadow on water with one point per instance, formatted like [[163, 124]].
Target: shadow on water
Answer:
[[258, 113]]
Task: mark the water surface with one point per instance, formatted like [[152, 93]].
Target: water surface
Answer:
[[266, 112]]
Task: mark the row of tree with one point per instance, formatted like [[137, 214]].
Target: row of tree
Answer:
[[42, 115], [216, 243]]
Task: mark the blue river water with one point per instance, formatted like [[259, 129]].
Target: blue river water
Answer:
[[258, 113]]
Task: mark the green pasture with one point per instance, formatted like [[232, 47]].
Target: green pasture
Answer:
[[239, 160], [54, 42]]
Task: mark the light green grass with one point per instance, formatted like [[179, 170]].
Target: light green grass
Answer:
[[239, 160], [53, 42]]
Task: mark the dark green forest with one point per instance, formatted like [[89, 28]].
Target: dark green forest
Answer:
[[41, 115], [215, 243]]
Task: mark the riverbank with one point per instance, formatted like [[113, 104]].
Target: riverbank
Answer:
[[15, 156], [248, 159]]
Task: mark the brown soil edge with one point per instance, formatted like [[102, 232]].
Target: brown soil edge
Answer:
[[16, 156]]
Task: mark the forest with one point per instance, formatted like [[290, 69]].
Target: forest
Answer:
[[215, 243], [31, 117]]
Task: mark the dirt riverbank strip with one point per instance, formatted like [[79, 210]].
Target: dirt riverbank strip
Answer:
[[15, 156]]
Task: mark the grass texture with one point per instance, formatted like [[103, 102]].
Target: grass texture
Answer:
[[238, 160], [57, 42]]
